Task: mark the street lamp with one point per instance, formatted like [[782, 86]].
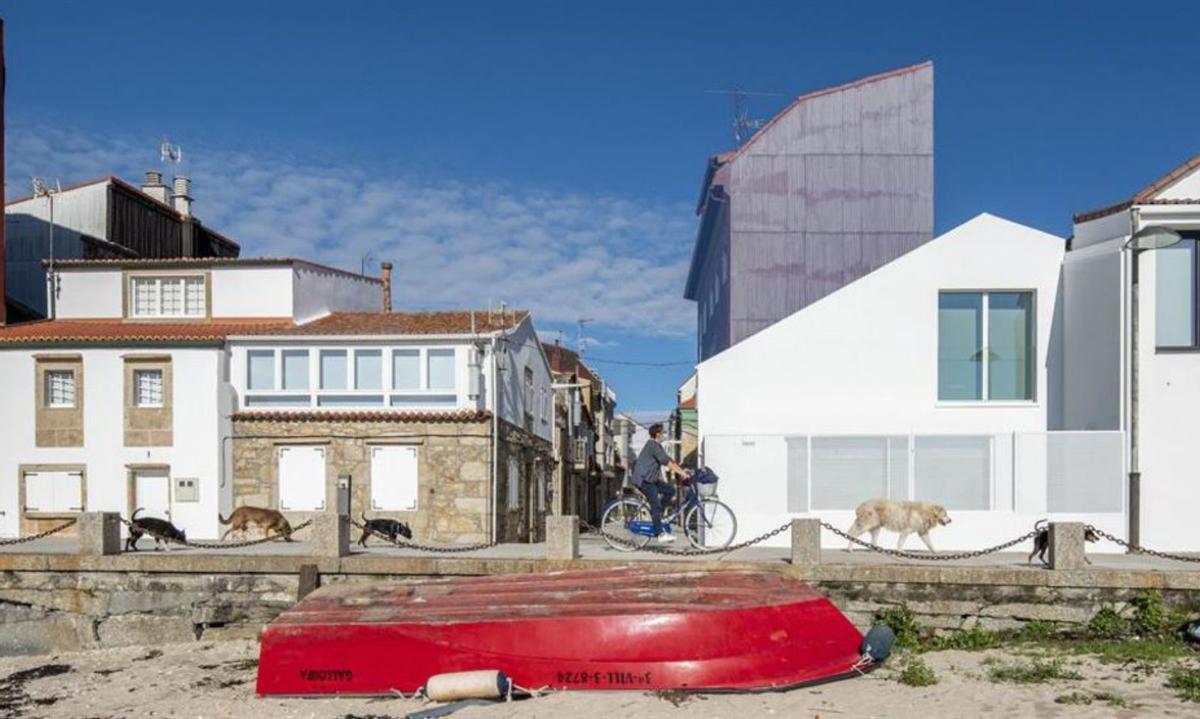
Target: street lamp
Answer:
[[1147, 238]]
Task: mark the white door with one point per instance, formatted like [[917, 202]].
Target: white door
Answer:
[[9, 514], [152, 492], [302, 479], [394, 478]]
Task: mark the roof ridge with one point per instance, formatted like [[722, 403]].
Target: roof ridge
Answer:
[[1145, 195]]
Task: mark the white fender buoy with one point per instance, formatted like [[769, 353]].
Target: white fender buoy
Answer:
[[483, 684]]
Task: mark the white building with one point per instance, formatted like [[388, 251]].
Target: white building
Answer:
[[188, 387], [935, 377]]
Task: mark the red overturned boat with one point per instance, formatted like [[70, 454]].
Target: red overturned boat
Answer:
[[598, 629]]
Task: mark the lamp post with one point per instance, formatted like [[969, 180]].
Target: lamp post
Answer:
[[1147, 238]]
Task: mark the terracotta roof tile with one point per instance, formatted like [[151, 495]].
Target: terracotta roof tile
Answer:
[[92, 331], [406, 323], [565, 361], [1146, 195], [364, 415]]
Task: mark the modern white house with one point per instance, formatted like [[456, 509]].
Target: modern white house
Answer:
[[187, 387], [936, 377]]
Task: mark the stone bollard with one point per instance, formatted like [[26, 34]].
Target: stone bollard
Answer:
[[1066, 545], [330, 535], [806, 541], [562, 537], [99, 533]]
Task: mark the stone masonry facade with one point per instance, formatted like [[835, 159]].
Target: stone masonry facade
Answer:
[[453, 470]]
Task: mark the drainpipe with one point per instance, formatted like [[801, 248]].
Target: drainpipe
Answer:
[[495, 402]]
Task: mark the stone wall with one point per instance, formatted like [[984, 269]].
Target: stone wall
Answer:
[[453, 472]]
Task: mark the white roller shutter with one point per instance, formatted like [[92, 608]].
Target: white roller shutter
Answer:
[[302, 479], [394, 478]]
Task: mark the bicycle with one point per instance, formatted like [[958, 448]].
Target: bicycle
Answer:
[[708, 522]]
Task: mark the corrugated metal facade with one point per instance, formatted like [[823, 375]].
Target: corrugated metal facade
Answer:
[[837, 185]]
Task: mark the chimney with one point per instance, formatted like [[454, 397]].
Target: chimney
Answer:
[[183, 196], [153, 186], [385, 272]]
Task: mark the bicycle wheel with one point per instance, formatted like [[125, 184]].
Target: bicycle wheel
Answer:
[[621, 520], [713, 528]]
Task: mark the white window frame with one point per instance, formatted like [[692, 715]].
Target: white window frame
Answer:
[[985, 309], [158, 280], [137, 387], [48, 378]]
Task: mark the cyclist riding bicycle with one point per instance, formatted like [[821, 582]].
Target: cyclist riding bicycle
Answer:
[[647, 478]]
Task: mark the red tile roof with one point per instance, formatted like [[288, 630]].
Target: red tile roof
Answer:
[[89, 331], [689, 403], [565, 361], [1147, 193], [406, 323], [166, 262], [363, 415]]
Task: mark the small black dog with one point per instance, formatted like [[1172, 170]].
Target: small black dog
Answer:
[[1041, 541], [157, 528], [387, 529]]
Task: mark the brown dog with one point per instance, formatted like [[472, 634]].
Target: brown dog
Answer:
[[904, 518], [266, 519]]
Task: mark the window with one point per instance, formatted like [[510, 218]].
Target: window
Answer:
[[60, 388], [1175, 295], [986, 346], [368, 369], [406, 369], [513, 487], [295, 369], [260, 369], [333, 369], [54, 492], [302, 479], [394, 478], [441, 369], [955, 472], [167, 296], [148, 387]]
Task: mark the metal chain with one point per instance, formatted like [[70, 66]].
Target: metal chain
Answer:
[[449, 549], [936, 557], [1138, 549], [39, 535], [212, 545], [688, 552]]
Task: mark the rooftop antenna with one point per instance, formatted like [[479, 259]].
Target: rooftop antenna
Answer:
[[42, 189], [580, 347], [365, 260], [743, 126], [171, 154]]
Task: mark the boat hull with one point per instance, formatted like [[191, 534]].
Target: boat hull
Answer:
[[624, 629]]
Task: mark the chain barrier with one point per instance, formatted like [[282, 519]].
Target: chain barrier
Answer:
[[210, 545], [39, 535], [694, 552], [1137, 548], [448, 549], [931, 556]]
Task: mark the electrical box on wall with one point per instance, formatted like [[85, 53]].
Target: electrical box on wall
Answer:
[[187, 489]]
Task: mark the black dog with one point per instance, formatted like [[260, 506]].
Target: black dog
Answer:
[[1041, 541], [387, 529], [160, 529]]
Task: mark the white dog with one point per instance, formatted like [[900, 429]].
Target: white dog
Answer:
[[903, 517]]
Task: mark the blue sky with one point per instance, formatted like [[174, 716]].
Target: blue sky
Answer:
[[549, 154]]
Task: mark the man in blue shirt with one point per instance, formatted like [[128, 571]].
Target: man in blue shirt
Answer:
[[647, 478]]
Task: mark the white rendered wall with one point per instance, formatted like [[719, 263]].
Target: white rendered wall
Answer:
[[1093, 308], [252, 291], [319, 292], [863, 361], [90, 294], [196, 449]]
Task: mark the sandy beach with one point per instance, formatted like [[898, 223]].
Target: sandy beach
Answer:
[[216, 680]]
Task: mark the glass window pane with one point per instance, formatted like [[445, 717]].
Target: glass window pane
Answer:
[[148, 387], [406, 369], [350, 400], [953, 471], [1010, 345], [194, 296], [260, 369], [60, 388], [145, 297], [295, 369], [368, 369], [441, 369], [282, 400], [960, 345], [847, 471], [333, 369], [1175, 295], [172, 296], [439, 401]]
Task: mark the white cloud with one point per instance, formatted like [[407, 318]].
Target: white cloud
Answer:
[[619, 261]]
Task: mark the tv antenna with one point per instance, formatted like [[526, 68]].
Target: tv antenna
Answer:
[[171, 153], [41, 188], [743, 125]]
